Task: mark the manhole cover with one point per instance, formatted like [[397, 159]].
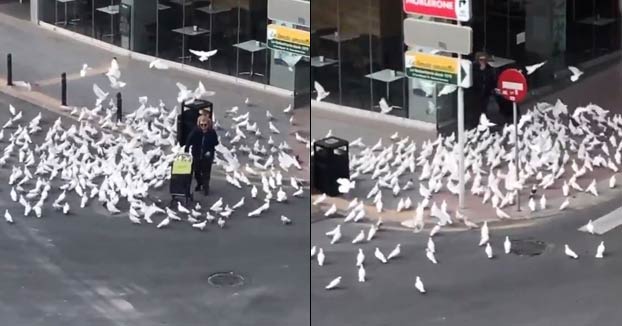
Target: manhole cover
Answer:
[[225, 279], [527, 247]]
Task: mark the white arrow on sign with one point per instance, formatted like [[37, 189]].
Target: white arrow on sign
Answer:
[[464, 75]]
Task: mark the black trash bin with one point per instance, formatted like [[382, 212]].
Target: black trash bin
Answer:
[[331, 161], [187, 120]]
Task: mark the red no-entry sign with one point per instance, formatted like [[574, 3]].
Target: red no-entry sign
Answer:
[[512, 85]]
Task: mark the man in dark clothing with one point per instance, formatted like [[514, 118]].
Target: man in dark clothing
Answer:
[[203, 141], [484, 85]]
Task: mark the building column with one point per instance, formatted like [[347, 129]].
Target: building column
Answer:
[[34, 11]]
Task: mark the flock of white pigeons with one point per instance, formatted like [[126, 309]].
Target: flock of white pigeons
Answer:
[[118, 165], [558, 152]]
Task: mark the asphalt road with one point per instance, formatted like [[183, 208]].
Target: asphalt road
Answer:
[[90, 268], [466, 288]]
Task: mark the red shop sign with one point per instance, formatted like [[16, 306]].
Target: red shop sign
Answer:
[[449, 9]]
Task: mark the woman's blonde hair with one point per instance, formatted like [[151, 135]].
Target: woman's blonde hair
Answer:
[[204, 119]]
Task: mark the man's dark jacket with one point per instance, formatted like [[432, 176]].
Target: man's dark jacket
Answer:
[[484, 81], [202, 143]]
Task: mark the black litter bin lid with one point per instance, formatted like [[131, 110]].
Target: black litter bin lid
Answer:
[[331, 142], [198, 105]]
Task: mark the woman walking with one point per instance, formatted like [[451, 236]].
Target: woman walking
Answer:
[[203, 141]]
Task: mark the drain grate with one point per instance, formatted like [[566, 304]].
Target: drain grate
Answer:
[[225, 279], [527, 247]]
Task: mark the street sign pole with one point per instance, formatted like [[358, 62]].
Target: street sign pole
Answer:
[[461, 182], [516, 161], [512, 85], [461, 143]]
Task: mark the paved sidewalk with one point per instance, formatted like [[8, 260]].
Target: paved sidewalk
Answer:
[[599, 88], [46, 55]]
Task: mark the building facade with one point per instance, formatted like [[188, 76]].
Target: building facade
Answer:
[[170, 29], [357, 38]]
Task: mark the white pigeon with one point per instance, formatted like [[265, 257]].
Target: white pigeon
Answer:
[[319, 199], [488, 251], [288, 109], [331, 211], [435, 230], [501, 214], [419, 285], [321, 92], [361, 273], [285, 220], [360, 257], [158, 64], [431, 246], [359, 237], [507, 245], [321, 257], [333, 231], [532, 204], [336, 237], [589, 227], [182, 209], [592, 188], [430, 256], [385, 108], [203, 55], [313, 251], [200, 225], [531, 69], [84, 70], [7, 216], [570, 253], [395, 252], [447, 89], [576, 73], [612, 181], [380, 256], [345, 185], [484, 123], [565, 204], [164, 223], [372, 231], [221, 222], [23, 84], [13, 194], [334, 283], [542, 202], [66, 208], [484, 236], [600, 250], [101, 95]]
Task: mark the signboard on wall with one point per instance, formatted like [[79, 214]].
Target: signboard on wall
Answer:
[[289, 39], [438, 68], [449, 9], [292, 11]]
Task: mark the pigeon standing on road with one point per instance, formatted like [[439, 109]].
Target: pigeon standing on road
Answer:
[[570, 253], [334, 283]]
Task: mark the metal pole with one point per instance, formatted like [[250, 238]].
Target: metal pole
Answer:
[[517, 162], [461, 141], [461, 182], [9, 69], [119, 107], [63, 89]]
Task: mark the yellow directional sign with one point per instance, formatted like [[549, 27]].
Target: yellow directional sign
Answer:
[[438, 68], [288, 39]]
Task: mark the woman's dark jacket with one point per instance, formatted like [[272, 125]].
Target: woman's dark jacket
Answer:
[[202, 143]]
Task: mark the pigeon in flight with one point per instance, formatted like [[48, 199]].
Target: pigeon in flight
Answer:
[[203, 55]]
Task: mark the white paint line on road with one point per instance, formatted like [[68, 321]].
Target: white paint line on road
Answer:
[[607, 222]]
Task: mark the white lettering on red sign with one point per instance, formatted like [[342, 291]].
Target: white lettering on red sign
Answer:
[[440, 4]]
